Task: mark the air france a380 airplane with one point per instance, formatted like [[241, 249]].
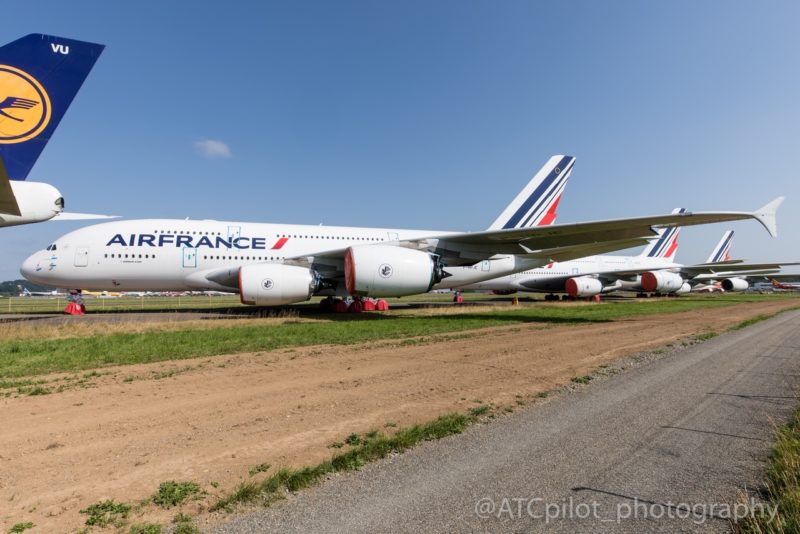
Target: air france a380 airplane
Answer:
[[39, 77], [654, 270], [592, 275], [274, 264]]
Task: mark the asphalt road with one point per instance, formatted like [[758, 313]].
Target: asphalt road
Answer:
[[669, 446]]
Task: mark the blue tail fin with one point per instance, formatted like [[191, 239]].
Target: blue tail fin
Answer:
[[39, 77]]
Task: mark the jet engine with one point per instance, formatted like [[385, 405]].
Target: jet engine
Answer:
[[584, 286], [685, 288], [273, 284], [735, 284], [389, 271], [662, 281]]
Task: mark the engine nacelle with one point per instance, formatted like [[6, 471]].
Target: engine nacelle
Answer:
[[661, 281], [37, 202], [735, 284], [273, 284], [685, 288], [389, 271], [584, 286]]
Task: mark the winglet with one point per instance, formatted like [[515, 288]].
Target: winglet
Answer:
[[766, 216]]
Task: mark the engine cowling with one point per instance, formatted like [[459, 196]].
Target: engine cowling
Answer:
[[388, 271], [685, 288], [583, 286], [735, 284], [662, 281], [273, 284]]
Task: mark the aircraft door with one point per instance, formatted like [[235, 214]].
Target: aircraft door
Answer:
[[81, 257], [189, 257], [234, 232]]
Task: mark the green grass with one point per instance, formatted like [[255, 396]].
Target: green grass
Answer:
[[104, 513], [479, 411], [29, 357], [782, 487], [260, 468], [367, 450], [171, 493], [145, 528], [21, 527], [705, 336], [585, 379]]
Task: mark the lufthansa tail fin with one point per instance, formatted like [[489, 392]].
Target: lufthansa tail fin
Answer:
[[39, 77], [722, 252], [665, 245], [537, 203]]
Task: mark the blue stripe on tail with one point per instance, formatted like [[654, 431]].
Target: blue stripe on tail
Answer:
[[535, 200]]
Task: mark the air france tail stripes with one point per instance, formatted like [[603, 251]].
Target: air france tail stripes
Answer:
[[665, 245], [722, 251], [536, 203]]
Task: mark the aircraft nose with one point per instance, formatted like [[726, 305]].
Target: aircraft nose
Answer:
[[31, 267]]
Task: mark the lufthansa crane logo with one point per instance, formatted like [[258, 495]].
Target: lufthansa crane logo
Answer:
[[24, 106], [385, 270], [267, 284]]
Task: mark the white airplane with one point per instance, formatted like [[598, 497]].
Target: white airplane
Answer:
[[593, 275], [652, 271], [275, 264], [28, 293], [39, 77]]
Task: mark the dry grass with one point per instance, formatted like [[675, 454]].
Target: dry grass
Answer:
[[23, 331]]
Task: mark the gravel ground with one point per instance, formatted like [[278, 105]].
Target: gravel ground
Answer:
[[670, 446]]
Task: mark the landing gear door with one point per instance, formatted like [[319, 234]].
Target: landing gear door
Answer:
[[81, 256], [189, 257]]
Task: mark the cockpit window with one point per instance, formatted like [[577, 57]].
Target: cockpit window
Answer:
[[51, 247]]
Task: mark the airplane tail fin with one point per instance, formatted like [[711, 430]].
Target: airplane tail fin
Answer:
[[722, 252], [665, 244], [39, 77], [537, 203]]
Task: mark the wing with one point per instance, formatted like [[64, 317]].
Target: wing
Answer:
[[730, 268], [461, 249]]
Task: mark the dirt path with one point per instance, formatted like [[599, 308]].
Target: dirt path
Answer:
[[211, 420]]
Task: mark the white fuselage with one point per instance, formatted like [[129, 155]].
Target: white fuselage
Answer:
[[175, 255], [551, 278]]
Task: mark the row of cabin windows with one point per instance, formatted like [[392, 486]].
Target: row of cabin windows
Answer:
[[146, 256], [277, 235], [258, 258]]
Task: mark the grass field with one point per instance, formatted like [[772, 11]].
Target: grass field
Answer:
[[72, 348]]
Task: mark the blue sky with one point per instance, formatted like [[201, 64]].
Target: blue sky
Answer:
[[425, 114]]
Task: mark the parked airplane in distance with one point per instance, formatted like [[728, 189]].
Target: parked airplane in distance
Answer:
[[652, 271], [592, 275], [28, 293], [785, 286], [39, 77], [274, 264]]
